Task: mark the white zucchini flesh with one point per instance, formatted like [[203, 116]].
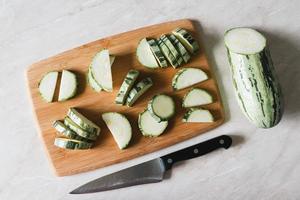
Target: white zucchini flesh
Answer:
[[83, 122], [198, 115], [187, 40], [244, 41], [77, 129], [149, 126], [138, 90], [181, 49], [126, 86], [162, 107], [120, 128], [72, 144], [187, 77], [158, 53], [256, 85], [47, 86], [145, 55], [101, 69], [196, 97], [68, 85]]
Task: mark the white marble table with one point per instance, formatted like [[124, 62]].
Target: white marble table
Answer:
[[264, 164]]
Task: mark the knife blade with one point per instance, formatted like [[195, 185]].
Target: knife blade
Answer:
[[152, 171]]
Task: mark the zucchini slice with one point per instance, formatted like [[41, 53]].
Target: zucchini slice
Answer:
[[68, 86], [157, 53], [180, 48], [187, 40], [172, 48], [67, 132], [196, 97], [83, 122], [126, 86], [66, 143], [47, 86], [120, 128], [187, 77], [167, 53], [91, 81], [101, 69], [161, 107], [198, 115], [77, 129], [138, 90], [149, 126], [145, 55]]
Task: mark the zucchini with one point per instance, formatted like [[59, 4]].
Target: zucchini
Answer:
[[196, 97], [167, 53], [187, 77], [145, 55], [138, 90], [66, 143], [91, 81], [172, 48], [47, 86], [180, 48], [198, 115], [161, 107], [187, 40], [120, 128], [149, 126], [256, 85], [126, 86], [101, 69], [68, 86], [77, 129], [157, 53], [67, 132], [83, 122]]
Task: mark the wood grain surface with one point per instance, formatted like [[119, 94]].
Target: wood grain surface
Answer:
[[92, 104]]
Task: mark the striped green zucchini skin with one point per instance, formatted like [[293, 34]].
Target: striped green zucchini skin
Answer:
[[157, 52], [256, 87], [71, 144]]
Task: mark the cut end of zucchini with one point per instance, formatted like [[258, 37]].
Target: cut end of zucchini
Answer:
[[120, 128], [187, 77], [196, 97], [244, 41], [161, 107], [187, 40], [149, 126], [198, 115], [47, 86], [68, 86], [145, 55], [66, 143]]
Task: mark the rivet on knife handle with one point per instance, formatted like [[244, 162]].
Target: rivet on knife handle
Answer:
[[223, 141]]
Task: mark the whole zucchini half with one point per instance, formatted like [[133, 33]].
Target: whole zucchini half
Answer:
[[256, 85]]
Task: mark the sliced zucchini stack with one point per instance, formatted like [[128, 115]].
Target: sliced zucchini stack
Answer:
[[138, 90], [77, 132], [173, 48], [187, 77], [196, 97], [145, 56], [161, 107], [126, 86], [120, 128], [186, 39], [100, 71], [47, 86], [149, 126], [68, 86], [198, 115]]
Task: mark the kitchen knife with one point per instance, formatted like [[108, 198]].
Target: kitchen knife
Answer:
[[152, 171]]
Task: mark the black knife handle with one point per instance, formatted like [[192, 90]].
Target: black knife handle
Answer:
[[197, 150]]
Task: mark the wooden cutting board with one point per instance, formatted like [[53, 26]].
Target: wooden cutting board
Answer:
[[92, 104]]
